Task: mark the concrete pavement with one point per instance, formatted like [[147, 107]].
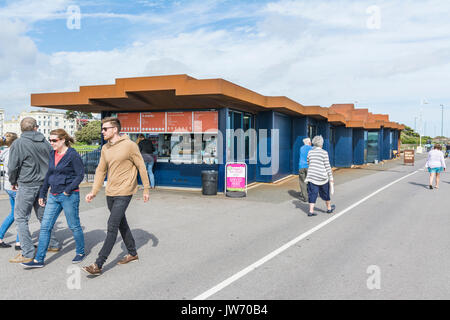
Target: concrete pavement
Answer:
[[188, 243]]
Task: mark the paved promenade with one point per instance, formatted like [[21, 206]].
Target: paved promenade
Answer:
[[189, 243]]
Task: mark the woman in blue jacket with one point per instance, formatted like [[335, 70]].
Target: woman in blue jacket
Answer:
[[65, 173]]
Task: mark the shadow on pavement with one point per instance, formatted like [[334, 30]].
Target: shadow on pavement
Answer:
[[91, 239], [294, 194], [305, 206], [141, 237], [419, 184]]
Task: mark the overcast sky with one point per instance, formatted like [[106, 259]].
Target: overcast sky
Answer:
[[387, 55]]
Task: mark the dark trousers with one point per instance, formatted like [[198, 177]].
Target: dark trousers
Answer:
[[303, 187], [117, 222]]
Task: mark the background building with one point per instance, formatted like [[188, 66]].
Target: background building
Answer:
[[12, 125], [46, 120]]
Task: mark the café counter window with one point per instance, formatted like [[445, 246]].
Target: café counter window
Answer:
[[177, 137]]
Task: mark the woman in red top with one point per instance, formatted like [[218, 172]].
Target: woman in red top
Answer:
[[65, 173]]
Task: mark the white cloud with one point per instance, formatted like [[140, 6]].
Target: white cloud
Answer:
[[317, 52]]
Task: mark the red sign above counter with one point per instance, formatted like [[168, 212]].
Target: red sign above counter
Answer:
[[130, 122], [179, 122], [153, 122], [170, 122], [206, 121]]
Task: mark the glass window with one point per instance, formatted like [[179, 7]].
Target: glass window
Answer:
[[186, 148], [372, 146], [312, 131]]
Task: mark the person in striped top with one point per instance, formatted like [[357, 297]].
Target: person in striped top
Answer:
[[319, 176]]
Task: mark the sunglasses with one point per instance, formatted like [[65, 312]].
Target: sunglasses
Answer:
[[53, 140], [104, 129]]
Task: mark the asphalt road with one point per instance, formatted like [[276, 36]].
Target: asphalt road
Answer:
[[393, 245]]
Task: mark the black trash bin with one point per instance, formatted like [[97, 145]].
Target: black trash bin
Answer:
[[209, 182]]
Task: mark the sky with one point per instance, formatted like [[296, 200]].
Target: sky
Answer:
[[390, 56]]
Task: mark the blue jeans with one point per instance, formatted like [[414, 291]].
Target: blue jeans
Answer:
[[55, 204], [10, 218], [151, 176]]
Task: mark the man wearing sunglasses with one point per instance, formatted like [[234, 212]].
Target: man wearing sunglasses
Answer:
[[121, 160]]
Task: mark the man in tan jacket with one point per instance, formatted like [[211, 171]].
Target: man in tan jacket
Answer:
[[120, 159]]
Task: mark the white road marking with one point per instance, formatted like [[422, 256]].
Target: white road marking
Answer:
[[273, 254]]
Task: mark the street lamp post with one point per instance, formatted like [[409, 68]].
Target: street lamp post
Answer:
[[442, 120], [421, 127]]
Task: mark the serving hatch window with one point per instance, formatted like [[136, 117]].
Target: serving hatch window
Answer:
[[179, 137]]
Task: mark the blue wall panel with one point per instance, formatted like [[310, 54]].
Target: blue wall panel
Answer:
[[283, 124], [323, 129], [344, 147], [358, 146], [223, 125], [181, 175], [386, 144], [264, 120]]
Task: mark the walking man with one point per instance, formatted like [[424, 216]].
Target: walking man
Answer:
[[303, 168], [27, 167], [120, 159]]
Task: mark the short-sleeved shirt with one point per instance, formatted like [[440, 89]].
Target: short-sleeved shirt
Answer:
[[303, 163]]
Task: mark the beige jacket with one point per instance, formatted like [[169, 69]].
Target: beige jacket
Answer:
[[121, 161]]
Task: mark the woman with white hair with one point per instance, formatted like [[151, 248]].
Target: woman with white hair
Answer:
[[319, 176]]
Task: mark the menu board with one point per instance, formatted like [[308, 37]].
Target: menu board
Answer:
[[206, 121], [408, 157], [130, 122], [179, 122], [153, 122], [236, 177]]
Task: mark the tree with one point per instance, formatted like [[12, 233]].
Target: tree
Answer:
[[72, 114], [90, 132], [77, 116]]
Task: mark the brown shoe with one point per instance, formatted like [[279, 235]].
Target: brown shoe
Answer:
[[128, 258], [20, 259], [53, 249], [93, 269]]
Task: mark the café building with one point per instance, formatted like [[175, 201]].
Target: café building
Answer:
[[198, 125]]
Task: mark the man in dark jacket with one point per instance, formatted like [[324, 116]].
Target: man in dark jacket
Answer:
[[27, 167], [146, 148]]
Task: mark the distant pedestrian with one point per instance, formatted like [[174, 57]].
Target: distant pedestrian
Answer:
[[121, 160], [64, 175], [27, 167], [319, 176], [4, 157], [140, 138], [146, 148], [303, 168], [435, 164]]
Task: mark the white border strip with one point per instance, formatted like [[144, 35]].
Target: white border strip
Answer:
[[273, 254]]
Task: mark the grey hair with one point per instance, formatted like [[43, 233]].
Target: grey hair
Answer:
[[28, 124], [317, 141], [306, 141]]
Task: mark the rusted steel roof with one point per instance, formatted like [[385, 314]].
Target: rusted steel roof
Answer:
[[185, 92]]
